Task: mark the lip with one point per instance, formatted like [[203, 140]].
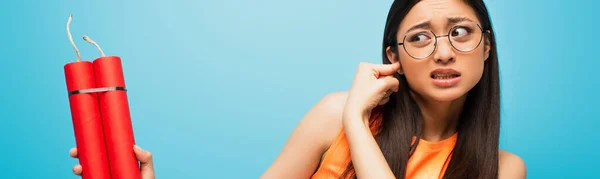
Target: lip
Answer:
[[444, 83]]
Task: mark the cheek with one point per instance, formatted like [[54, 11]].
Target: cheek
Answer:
[[473, 65], [475, 72], [416, 73]]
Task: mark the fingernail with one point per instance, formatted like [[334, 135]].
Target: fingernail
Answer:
[[137, 148]]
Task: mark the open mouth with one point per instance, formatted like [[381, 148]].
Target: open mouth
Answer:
[[445, 77]]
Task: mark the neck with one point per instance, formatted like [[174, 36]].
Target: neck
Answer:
[[440, 118]]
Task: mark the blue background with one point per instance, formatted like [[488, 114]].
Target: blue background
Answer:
[[216, 87]]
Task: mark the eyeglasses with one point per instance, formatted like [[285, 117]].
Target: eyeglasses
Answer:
[[464, 37]]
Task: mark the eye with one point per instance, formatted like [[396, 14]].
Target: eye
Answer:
[[421, 37], [460, 32]]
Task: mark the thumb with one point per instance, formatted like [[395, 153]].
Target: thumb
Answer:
[[146, 165], [386, 69], [388, 83]]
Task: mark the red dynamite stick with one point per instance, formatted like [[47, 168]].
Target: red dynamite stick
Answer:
[[86, 119], [87, 123], [116, 118]]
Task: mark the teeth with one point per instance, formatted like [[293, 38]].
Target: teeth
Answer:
[[444, 76]]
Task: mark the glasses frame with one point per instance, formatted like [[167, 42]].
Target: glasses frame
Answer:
[[449, 40]]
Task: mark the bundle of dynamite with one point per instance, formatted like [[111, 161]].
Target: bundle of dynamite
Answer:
[[100, 114]]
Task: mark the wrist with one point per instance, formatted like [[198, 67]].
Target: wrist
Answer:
[[353, 118], [356, 110]]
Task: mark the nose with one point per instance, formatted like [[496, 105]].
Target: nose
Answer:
[[444, 53]]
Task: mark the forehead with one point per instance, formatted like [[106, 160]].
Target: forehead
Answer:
[[437, 12]]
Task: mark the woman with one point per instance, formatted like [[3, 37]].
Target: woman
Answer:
[[432, 110]]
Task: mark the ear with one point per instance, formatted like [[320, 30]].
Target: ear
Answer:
[[393, 57], [487, 46]]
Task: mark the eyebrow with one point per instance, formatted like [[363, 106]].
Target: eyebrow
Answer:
[[454, 20], [451, 21], [421, 25]]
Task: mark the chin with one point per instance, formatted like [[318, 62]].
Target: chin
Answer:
[[446, 94]]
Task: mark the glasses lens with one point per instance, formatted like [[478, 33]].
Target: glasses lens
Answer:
[[419, 43], [465, 36]]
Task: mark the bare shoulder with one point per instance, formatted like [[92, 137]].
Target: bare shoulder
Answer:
[[304, 148], [331, 106], [510, 166], [327, 115]]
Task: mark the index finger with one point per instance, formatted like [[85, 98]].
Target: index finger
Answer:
[[386, 69]]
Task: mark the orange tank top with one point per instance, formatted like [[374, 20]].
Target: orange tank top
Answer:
[[429, 160]]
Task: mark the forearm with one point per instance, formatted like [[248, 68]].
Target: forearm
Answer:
[[367, 158]]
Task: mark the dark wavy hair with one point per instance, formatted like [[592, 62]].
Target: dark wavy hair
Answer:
[[475, 154]]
